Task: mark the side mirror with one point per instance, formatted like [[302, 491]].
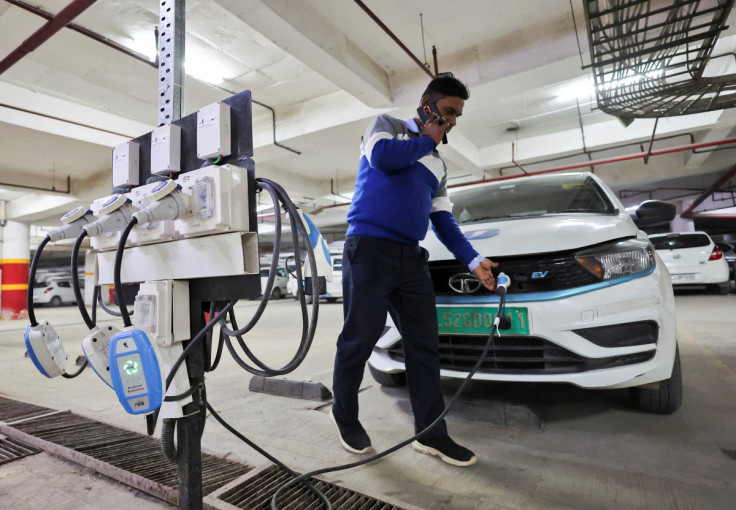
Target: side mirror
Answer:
[[651, 213]]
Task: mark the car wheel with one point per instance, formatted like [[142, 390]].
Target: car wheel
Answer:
[[55, 301], [720, 288], [663, 400], [388, 379], [276, 293]]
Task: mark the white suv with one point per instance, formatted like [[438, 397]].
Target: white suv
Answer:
[[692, 258], [591, 303]]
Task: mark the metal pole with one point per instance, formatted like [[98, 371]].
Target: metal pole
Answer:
[[170, 107], [171, 61]]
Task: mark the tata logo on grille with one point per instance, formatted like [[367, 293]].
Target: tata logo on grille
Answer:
[[464, 283]]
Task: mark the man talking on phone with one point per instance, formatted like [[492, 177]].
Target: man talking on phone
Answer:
[[401, 186]]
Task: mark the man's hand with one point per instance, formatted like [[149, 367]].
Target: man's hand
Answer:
[[484, 274], [433, 129]]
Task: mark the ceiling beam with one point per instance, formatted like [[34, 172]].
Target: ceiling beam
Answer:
[[304, 33]]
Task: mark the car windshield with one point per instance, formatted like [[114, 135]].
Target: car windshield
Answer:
[[554, 194], [679, 241]]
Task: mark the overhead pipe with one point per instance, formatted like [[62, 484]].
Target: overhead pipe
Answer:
[[688, 213], [3, 105], [43, 34], [86, 32], [618, 159], [396, 39]]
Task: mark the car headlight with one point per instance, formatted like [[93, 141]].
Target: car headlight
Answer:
[[618, 260]]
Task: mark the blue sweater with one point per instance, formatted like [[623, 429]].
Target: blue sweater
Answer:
[[401, 186]]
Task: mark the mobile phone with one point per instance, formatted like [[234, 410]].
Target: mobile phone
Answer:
[[425, 113]]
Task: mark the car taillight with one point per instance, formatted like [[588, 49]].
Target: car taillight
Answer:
[[717, 254]]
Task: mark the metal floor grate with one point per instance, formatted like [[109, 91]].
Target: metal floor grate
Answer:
[[12, 410], [12, 449], [129, 451], [256, 493]]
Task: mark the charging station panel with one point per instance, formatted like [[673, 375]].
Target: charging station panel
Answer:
[[135, 372]]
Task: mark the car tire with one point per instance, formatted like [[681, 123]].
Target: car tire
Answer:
[[664, 400], [720, 288], [55, 301], [276, 293], [391, 380]]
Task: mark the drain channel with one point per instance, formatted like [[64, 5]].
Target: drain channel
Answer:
[[12, 410], [256, 492], [136, 460], [12, 449], [129, 457]]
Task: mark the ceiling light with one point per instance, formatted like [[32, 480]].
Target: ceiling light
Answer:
[[202, 69], [581, 88], [145, 44]]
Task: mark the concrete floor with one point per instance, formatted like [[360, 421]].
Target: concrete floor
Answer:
[[592, 451]]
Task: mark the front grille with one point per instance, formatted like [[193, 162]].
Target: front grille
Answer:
[[517, 355], [535, 273]]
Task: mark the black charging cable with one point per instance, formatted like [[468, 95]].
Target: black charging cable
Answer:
[[117, 280], [32, 281]]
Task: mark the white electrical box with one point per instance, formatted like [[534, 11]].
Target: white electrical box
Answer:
[[125, 164], [161, 310], [154, 231], [219, 201], [166, 149], [213, 131]]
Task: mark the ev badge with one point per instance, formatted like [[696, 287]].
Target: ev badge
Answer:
[[464, 283]]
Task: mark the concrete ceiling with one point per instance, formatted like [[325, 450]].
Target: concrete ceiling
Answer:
[[326, 68]]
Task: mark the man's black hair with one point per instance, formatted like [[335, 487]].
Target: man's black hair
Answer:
[[444, 85]]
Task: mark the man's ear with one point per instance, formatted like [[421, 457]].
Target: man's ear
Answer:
[[426, 98]]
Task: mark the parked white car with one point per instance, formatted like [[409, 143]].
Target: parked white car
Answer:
[[53, 292], [334, 287], [279, 289], [692, 258], [591, 304]]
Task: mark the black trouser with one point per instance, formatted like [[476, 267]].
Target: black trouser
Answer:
[[379, 275]]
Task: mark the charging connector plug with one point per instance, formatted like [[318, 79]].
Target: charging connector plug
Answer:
[[169, 203], [95, 347], [112, 222], [45, 349], [73, 222]]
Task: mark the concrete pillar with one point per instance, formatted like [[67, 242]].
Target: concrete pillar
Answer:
[[15, 261]]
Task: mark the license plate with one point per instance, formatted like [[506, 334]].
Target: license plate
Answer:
[[683, 277], [476, 320]]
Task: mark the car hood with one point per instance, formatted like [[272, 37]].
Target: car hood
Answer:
[[539, 234]]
